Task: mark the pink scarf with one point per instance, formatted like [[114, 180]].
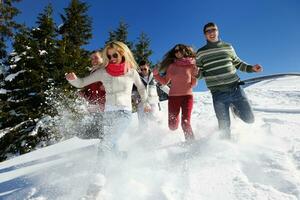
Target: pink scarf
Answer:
[[115, 69], [185, 62]]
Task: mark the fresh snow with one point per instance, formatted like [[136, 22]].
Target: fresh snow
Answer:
[[261, 161], [15, 57], [3, 91], [43, 52], [13, 76]]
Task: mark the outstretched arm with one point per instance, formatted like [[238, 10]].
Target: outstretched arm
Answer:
[[82, 82], [165, 89], [239, 64], [162, 80]]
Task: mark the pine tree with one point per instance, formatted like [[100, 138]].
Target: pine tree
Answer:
[[141, 50], [7, 24], [76, 32], [18, 103], [44, 36], [120, 34], [45, 33], [24, 104], [14, 85], [76, 24]]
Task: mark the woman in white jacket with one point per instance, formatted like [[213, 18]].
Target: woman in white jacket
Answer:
[[118, 77]]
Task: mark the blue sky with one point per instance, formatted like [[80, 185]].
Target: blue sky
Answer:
[[262, 31]]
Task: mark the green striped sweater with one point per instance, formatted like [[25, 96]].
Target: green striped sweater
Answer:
[[218, 64]]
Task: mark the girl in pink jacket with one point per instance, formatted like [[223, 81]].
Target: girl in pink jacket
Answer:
[[180, 68]]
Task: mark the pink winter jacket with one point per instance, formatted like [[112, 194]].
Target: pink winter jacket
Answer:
[[180, 74]]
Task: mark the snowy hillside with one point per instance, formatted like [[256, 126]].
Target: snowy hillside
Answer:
[[261, 162]]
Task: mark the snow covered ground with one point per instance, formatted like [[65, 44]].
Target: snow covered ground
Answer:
[[261, 162]]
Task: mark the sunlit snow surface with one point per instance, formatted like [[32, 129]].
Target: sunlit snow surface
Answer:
[[261, 161]]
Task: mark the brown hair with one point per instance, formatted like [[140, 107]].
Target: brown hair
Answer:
[[169, 57]]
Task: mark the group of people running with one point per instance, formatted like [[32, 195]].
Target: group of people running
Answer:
[[115, 73]]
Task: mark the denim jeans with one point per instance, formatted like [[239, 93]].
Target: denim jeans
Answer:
[[236, 97], [94, 126], [115, 124]]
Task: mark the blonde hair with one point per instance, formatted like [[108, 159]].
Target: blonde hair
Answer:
[[123, 50]]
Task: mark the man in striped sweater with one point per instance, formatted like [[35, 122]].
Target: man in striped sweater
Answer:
[[218, 65]]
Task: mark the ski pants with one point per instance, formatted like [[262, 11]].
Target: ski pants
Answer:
[[185, 103]]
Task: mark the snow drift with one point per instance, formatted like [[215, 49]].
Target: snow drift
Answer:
[[262, 161]]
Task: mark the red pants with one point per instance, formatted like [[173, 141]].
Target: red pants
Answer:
[[186, 105]]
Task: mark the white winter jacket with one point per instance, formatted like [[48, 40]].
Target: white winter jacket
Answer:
[[118, 89], [151, 88]]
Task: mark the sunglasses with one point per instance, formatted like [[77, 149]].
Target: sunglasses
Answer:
[[115, 55], [144, 69], [177, 50], [210, 30]]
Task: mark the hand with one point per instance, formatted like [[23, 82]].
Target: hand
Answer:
[[147, 109], [195, 71], [155, 71], [71, 76], [257, 68], [95, 68]]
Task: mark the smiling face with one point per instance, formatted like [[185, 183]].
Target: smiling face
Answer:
[[212, 34], [144, 70], [96, 59], [114, 56], [178, 52]]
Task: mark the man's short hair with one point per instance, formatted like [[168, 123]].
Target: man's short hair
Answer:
[[96, 51], [210, 24], [143, 62]]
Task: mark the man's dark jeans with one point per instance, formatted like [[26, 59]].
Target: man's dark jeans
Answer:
[[236, 97]]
